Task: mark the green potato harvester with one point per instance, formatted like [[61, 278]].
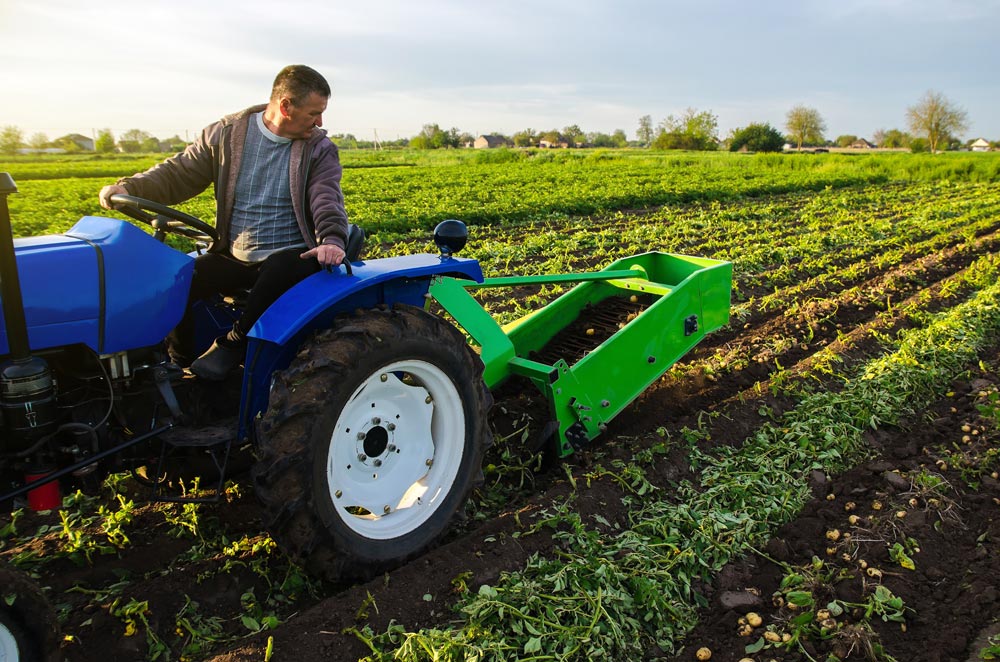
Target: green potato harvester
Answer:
[[627, 324]]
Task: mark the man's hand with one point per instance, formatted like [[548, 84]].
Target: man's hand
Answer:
[[328, 255], [105, 195]]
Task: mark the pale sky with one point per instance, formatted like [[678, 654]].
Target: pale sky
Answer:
[[172, 66]]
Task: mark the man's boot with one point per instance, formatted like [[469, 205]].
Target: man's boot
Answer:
[[220, 359]]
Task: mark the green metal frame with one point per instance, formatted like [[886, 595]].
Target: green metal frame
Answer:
[[691, 298]]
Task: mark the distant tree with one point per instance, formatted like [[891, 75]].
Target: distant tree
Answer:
[[132, 140], [465, 139], [574, 135], [845, 140], [67, 143], [430, 137], [756, 138], [644, 134], [619, 138], [38, 141], [553, 136], [525, 138], [598, 139], [344, 140], [893, 139], [175, 144], [805, 126], [936, 118], [11, 140], [691, 130], [150, 144], [917, 145], [105, 142]]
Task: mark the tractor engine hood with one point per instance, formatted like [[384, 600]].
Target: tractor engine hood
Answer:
[[105, 284]]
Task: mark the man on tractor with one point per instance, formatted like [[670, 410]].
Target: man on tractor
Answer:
[[279, 208]]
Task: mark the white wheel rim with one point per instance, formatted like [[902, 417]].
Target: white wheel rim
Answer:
[[8, 646], [396, 449]]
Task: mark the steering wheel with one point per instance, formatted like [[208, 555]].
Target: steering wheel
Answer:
[[164, 219]]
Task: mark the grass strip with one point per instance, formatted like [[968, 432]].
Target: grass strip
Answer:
[[622, 594]]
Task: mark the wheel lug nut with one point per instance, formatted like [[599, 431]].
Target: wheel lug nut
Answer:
[[362, 457], [428, 399], [429, 462], [386, 510], [338, 494], [390, 427], [391, 448], [383, 377], [376, 420], [378, 463], [361, 436]]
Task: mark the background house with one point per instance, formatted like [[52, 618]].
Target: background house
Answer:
[[980, 146], [486, 142]]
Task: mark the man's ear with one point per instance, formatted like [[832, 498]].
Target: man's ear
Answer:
[[285, 106]]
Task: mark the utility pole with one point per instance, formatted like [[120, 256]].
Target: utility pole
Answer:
[[377, 143]]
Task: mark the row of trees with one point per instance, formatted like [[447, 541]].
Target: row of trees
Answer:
[[12, 140], [934, 124], [433, 136], [934, 121]]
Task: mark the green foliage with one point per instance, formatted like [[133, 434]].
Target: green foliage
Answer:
[[937, 119], [644, 134], [433, 137], [693, 130], [805, 126], [756, 138], [105, 142], [11, 140]]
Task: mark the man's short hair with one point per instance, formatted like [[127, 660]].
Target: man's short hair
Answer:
[[297, 82]]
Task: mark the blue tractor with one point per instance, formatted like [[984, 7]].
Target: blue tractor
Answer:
[[367, 414]]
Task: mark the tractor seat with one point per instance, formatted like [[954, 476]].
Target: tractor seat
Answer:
[[354, 245]]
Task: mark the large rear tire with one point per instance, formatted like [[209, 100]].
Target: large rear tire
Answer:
[[29, 630], [373, 440]]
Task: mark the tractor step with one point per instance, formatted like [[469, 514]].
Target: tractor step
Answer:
[[185, 455]]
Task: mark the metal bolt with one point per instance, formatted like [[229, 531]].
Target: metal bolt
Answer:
[[386, 510], [605, 403], [362, 457], [390, 427], [391, 448], [428, 399], [429, 462], [338, 494], [384, 377], [378, 463], [361, 436], [376, 420]]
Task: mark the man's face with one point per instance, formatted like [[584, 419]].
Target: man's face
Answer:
[[299, 120]]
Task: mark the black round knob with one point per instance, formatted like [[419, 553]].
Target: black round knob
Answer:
[[450, 236]]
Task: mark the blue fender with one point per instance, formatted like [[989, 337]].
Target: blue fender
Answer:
[[313, 304]]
